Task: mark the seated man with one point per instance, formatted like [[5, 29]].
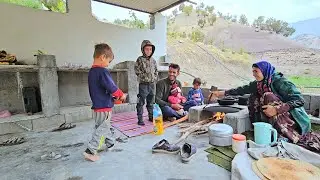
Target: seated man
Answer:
[[163, 91]]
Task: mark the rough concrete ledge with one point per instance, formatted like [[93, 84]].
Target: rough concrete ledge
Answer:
[[314, 120], [39, 122]]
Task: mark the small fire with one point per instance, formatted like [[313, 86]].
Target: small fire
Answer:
[[218, 116]]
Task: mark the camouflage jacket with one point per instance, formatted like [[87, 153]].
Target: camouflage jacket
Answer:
[[146, 67]]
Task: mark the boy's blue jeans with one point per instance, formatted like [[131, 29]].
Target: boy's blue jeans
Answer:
[[167, 111]]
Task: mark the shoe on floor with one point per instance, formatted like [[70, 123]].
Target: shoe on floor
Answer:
[[164, 147], [151, 119], [186, 152], [185, 113], [90, 157], [141, 123], [102, 148]]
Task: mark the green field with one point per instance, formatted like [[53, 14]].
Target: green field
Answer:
[[306, 84], [304, 81]]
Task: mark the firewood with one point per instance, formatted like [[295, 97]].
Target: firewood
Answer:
[[176, 121], [200, 127], [184, 125], [196, 124]]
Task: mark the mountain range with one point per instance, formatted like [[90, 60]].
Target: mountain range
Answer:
[[307, 32]]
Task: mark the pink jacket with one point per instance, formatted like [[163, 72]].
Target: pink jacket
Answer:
[[176, 99]]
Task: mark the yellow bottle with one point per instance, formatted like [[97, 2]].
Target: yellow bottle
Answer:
[[157, 120]]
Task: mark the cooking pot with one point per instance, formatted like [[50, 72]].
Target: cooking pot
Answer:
[[226, 101], [243, 100]]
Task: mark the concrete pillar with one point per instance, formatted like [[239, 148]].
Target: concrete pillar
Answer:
[[77, 9], [48, 84], [152, 22], [133, 86], [161, 31]]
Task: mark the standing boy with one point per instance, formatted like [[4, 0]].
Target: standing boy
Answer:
[[146, 70], [102, 90]]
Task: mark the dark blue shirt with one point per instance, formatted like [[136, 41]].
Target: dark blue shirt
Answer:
[[101, 88]]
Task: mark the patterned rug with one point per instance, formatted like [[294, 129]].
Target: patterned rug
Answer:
[[127, 124]]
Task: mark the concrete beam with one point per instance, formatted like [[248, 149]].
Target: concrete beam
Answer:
[[314, 102], [48, 83]]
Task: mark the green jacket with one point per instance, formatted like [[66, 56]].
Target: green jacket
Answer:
[[287, 92], [146, 67], [163, 91]]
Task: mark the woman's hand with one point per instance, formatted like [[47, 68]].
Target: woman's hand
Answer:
[[269, 111]]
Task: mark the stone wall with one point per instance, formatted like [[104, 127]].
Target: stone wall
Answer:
[[72, 86], [312, 102]]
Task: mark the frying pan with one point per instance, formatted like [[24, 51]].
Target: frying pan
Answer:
[[226, 101]]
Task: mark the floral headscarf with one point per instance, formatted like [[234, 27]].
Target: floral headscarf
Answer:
[[267, 70]]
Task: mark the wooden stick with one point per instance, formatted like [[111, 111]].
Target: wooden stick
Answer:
[[196, 124], [201, 126], [176, 121]]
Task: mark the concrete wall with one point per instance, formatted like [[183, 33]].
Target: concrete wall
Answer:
[[10, 98], [11, 91], [71, 36], [73, 87], [312, 102]]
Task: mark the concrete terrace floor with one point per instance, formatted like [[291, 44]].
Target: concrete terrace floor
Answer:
[[131, 160]]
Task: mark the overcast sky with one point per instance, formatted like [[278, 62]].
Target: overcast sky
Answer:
[[288, 10]]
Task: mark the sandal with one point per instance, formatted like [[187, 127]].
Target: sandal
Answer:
[[64, 126], [13, 141], [51, 156], [122, 139]]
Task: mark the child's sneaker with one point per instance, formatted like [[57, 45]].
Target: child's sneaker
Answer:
[[89, 156], [185, 113]]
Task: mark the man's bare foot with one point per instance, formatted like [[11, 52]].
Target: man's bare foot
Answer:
[[171, 119], [90, 157]]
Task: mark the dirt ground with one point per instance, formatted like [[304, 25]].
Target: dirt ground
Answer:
[[131, 160]]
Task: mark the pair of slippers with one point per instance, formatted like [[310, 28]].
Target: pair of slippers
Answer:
[[186, 151]]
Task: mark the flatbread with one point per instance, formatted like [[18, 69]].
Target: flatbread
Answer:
[[276, 168], [257, 172]]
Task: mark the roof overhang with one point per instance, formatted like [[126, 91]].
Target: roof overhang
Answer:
[[146, 6]]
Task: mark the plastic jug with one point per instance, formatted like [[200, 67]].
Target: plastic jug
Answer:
[[262, 133], [157, 120]]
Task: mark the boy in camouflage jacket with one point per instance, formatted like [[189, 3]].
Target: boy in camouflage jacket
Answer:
[[146, 70]]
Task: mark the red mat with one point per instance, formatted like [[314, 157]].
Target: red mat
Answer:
[[127, 124]]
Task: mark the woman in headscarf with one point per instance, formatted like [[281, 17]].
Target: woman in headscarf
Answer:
[[277, 101]]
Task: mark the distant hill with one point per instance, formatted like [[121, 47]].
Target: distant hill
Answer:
[[308, 40], [234, 35], [310, 26]]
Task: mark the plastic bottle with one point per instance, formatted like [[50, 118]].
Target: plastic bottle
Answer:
[[157, 120]]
